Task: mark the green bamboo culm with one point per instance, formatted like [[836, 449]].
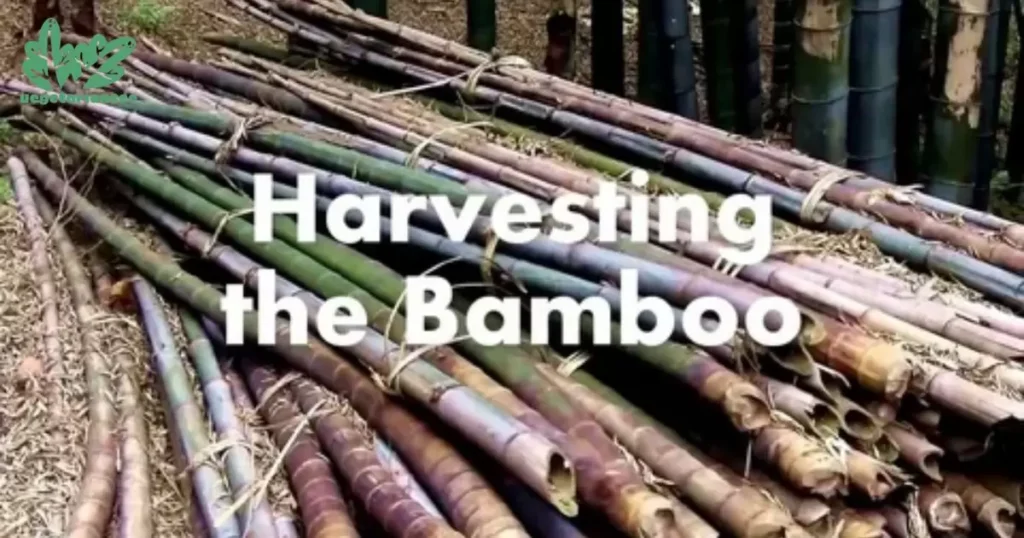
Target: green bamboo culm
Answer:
[[747, 58], [607, 59], [377, 8], [874, 73], [718, 63], [952, 137], [993, 64], [666, 75], [782, 58], [912, 91], [482, 24], [821, 63], [1015, 142]]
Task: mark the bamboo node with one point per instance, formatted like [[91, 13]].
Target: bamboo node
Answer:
[[817, 192], [212, 241]]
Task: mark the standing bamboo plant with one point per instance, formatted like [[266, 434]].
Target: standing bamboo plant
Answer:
[[874, 42], [747, 57], [952, 136], [719, 57], [821, 59], [782, 59], [912, 91], [607, 60], [993, 63], [481, 24]]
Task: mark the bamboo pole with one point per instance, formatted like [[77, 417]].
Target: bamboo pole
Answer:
[[254, 515], [944, 511], [917, 451], [214, 500], [136, 505], [607, 59], [469, 502], [746, 33], [718, 44], [782, 59], [366, 476], [821, 78], [738, 511], [994, 514], [94, 503], [874, 41], [993, 61], [324, 510], [912, 92], [481, 24], [952, 136]]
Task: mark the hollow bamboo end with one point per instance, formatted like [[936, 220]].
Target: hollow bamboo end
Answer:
[[824, 418], [859, 424], [747, 407], [998, 517], [561, 481], [928, 464], [945, 512]]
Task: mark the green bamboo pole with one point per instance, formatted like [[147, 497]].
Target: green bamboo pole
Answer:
[[481, 24], [607, 59], [782, 58], [821, 59], [1015, 142], [874, 72], [952, 137], [468, 501], [650, 88], [377, 8], [912, 90], [719, 57], [993, 64], [747, 57]]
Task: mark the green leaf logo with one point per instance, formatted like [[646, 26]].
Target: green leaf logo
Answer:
[[69, 61]]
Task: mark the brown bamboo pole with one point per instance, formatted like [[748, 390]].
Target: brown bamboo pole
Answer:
[[324, 510], [135, 507], [869, 476], [861, 524], [41, 270], [369, 480], [987, 509], [95, 500], [884, 412], [810, 512], [741, 512], [857, 422], [808, 410], [1010, 488], [944, 511], [915, 450]]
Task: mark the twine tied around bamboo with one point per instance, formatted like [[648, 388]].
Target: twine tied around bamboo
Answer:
[[472, 76], [414, 155], [214, 237], [818, 190]]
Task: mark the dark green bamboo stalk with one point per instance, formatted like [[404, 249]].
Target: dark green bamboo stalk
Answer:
[[718, 62], [649, 87], [481, 24], [747, 57], [377, 8], [676, 45], [1015, 144], [874, 45], [607, 60], [468, 501], [952, 137], [912, 91], [992, 65], [667, 78], [821, 59], [782, 58]]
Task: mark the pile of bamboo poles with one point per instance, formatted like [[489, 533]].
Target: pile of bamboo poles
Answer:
[[892, 413]]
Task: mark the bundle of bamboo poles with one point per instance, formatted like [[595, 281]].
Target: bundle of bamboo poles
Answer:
[[892, 413]]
